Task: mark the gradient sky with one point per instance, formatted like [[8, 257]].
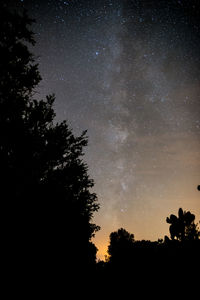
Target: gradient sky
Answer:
[[128, 72]]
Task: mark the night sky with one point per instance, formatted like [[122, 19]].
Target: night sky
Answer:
[[128, 72]]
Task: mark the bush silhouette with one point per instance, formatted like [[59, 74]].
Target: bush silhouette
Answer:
[[183, 226]]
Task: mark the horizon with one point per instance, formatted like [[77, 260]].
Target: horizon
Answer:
[[102, 245]]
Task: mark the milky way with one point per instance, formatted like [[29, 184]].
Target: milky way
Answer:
[[128, 72]]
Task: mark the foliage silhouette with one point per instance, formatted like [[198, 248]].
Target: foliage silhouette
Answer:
[[183, 226], [169, 261], [45, 186], [121, 242]]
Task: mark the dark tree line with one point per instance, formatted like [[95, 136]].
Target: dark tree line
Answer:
[[173, 261], [46, 199]]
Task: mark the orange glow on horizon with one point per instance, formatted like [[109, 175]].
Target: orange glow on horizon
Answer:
[[153, 229]]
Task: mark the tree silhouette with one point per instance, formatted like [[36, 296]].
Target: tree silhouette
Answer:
[[121, 242], [133, 262], [183, 226], [45, 186]]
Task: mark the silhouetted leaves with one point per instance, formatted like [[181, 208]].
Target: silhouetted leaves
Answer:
[[139, 263], [46, 190], [120, 246], [182, 227]]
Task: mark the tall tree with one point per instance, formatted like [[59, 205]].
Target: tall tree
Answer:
[[46, 193]]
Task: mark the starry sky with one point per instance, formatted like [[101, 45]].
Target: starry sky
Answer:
[[128, 71]]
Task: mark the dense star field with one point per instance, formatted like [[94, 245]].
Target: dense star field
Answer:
[[128, 72]]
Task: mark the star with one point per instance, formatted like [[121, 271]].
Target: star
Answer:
[[128, 72]]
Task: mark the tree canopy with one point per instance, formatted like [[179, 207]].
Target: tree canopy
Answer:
[[47, 198]]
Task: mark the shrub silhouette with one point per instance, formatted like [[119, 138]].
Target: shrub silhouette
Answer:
[[183, 226]]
